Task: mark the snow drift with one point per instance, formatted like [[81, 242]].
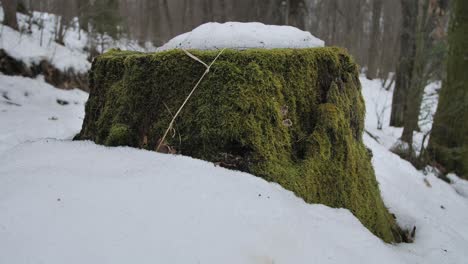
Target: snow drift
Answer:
[[236, 35]]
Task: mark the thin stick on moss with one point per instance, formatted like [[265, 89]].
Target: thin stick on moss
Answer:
[[175, 125], [191, 92]]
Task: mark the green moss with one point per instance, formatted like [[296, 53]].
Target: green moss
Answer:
[[235, 117], [119, 135]]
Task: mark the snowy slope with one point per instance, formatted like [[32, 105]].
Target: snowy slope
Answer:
[[439, 212], [239, 35], [29, 110], [436, 210], [76, 202], [27, 48], [90, 204], [378, 107], [39, 44], [34, 47]]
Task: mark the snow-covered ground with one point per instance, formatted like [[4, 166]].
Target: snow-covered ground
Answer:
[[378, 106], [38, 44], [239, 35], [77, 202], [30, 110]]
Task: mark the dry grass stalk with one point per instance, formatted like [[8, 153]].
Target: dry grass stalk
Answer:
[[191, 92]]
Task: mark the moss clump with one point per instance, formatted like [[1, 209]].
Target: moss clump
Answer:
[[119, 135], [241, 117]]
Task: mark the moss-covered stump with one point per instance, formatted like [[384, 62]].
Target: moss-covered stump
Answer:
[[292, 116]]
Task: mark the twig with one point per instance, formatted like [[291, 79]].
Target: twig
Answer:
[[423, 148], [174, 129], [190, 94], [195, 58], [170, 112], [376, 138], [11, 103]]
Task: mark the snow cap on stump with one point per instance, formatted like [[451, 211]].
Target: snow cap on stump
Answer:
[[237, 35]]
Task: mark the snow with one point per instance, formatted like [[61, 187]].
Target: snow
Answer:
[[29, 110], [460, 185], [378, 108], [239, 35], [31, 50], [120, 205], [26, 48], [39, 44], [77, 202], [439, 212]]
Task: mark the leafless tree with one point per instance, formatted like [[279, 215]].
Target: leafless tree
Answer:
[[9, 7]]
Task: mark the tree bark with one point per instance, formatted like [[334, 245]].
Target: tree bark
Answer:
[[374, 40], [83, 7], [418, 81], [425, 41], [334, 12], [448, 143], [297, 13], [406, 60], [390, 38], [9, 9], [62, 30]]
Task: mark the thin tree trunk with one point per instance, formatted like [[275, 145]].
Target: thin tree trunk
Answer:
[[297, 13], [417, 83], [390, 40], [374, 40], [406, 61], [62, 30], [427, 18], [334, 11], [286, 9], [167, 14], [9, 8]]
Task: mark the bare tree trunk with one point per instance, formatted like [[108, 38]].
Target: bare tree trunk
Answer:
[[167, 14], [374, 40], [405, 66], [9, 8], [285, 5], [62, 29], [297, 13], [421, 72], [390, 38], [187, 18], [83, 7], [416, 88], [334, 12]]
